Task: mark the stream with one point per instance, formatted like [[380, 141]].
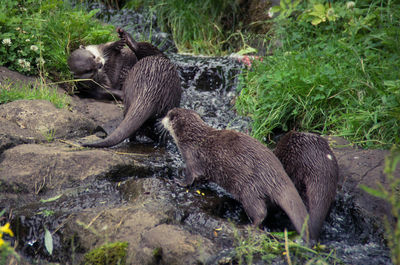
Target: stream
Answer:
[[209, 87]]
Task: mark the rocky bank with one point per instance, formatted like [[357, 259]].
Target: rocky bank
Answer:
[[87, 197]]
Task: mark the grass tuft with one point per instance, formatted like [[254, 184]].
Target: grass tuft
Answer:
[[339, 76], [14, 91]]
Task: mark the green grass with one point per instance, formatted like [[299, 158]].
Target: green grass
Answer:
[[36, 36], [14, 91], [271, 247], [196, 26], [337, 77]]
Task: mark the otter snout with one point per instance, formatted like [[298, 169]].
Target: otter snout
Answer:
[[165, 123]]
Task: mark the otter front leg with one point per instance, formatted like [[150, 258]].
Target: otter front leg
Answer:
[[255, 209], [187, 180], [128, 40]]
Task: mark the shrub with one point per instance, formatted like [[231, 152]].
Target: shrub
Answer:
[[36, 36], [336, 75]]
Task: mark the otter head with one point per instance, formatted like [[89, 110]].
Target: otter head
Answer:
[[86, 62], [183, 124]]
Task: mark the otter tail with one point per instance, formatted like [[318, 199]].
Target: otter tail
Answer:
[[296, 210], [132, 121]]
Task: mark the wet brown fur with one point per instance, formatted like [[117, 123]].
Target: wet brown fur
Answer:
[[151, 88], [107, 77], [237, 162], [312, 166]]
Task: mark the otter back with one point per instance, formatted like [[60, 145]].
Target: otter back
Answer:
[[151, 88], [312, 166], [240, 164]]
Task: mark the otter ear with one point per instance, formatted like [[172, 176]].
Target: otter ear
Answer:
[[81, 47]]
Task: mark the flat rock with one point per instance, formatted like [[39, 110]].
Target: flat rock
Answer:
[[108, 115], [38, 167], [42, 117]]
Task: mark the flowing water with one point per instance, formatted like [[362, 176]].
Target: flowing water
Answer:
[[209, 86]]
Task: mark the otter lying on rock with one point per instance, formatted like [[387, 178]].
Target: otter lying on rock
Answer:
[[151, 88], [312, 166], [106, 65], [237, 162]]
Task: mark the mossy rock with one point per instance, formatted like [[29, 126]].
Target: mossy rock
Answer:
[[107, 254]]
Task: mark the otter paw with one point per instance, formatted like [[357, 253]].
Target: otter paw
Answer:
[[181, 182]]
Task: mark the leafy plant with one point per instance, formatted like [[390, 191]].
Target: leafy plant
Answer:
[[338, 77], [36, 36]]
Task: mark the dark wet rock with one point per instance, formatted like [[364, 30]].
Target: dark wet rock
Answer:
[[42, 117]]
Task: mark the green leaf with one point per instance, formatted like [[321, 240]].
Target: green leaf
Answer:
[[48, 241], [374, 192], [51, 199], [316, 21], [247, 51], [319, 8]]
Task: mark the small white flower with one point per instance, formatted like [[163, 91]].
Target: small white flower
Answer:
[[21, 62], [27, 40], [34, 48], [350, 5], [24, 64], [7, 42], [40, 60], [270, 13]]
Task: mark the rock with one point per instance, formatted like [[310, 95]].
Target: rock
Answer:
[[7, 76], [42, 117], [58, 166], [107, 115], [11, 135], [365, 167], [168, 244]]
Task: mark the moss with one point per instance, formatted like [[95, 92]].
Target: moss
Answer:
[[157, 254], [107, 254]]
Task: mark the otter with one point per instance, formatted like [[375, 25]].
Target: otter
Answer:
[[152, 87], [312, 166], [107, 65], [240, 164]]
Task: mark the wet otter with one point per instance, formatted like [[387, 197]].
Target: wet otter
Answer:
[[107, 65], [312, 166], [237, 162], [152, 87]]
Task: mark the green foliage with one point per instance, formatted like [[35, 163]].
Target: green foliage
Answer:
[[36, 36], [391, 194], [274, 246], [107, 254], [14, 91], [196, 26], [338, 74]]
